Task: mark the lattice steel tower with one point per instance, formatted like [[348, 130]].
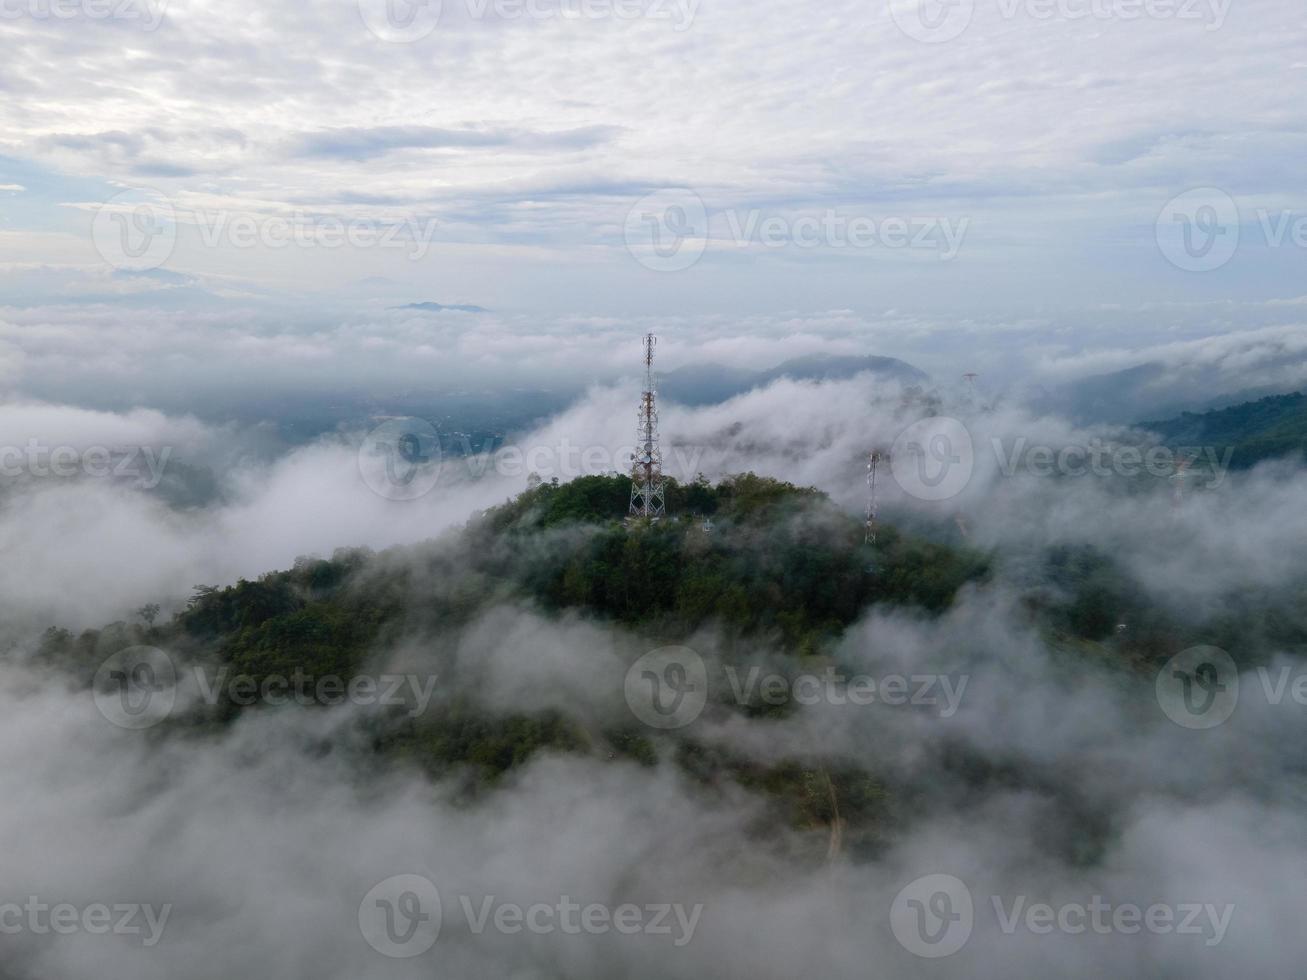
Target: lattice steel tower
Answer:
[[874, 459], [647, 460]]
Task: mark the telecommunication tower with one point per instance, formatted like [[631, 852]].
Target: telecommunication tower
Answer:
[[873, 461], [647, 460]]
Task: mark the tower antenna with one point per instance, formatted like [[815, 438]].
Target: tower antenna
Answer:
[[647, 460], [873, 461]]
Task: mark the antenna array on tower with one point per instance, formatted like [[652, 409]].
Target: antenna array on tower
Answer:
[[873, 504], [647, 460]]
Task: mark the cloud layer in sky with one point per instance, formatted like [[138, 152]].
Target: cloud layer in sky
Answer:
[[528, 135]]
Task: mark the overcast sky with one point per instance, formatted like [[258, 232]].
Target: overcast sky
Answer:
[[1030, 156]]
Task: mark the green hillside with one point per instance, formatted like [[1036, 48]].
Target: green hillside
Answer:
[[748, 565], [1265, 429]]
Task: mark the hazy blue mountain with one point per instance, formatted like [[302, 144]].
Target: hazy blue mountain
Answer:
[[1147, 390], [1117, 397], [1256, 430], [704, 384]]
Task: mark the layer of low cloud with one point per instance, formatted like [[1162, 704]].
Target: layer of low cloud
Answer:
[[129, 345], [264, 849], [121, 547]]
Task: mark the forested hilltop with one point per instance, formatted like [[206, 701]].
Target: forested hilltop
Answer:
[[748, 565], [1252, 431]]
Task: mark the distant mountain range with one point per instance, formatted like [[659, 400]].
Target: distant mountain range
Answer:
[[1264, 429], [707, 384], [1150, 390]]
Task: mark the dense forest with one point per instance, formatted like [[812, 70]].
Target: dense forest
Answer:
[[1254, 431], [759, 563]]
